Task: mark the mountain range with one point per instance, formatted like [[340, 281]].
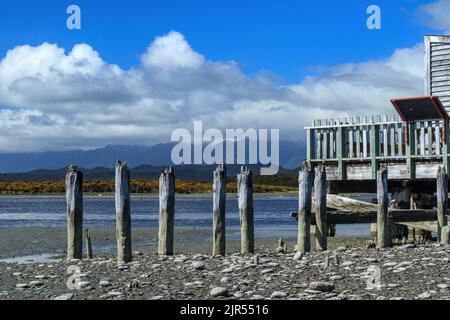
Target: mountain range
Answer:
[[103, 159], [145, 163]]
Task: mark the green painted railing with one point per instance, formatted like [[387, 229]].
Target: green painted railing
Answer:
[[377, 139]]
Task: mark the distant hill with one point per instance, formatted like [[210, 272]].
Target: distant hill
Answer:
[[291, 155], [197, 173]]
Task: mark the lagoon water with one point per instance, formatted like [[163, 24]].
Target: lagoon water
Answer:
[[272, 213]]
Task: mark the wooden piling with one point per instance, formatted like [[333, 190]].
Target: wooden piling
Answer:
[[74, 198], [245, 192], [384, 239], [400, 199], [442, 199], [166, 212], [320, 192], [304, 222], [219, 201], [89, 254], [123, 214], [445, 235]]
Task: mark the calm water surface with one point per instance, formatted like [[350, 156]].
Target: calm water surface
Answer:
[[271, 213]]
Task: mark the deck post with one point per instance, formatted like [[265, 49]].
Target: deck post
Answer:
[[384, 239], [442, 199], [74, 199], [340, 149], [411, 150], [166, 212], [123, 215], [304, 213], [245, 201], [402, 197], [446, 145], [310, 140], [219, 201], [89, 254], [320, 192], [374, 148]]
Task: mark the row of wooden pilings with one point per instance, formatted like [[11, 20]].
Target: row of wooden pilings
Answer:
[[309, 180], [74, 197]]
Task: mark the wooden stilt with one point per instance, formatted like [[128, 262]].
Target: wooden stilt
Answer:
[[74, 198], [304, 216]]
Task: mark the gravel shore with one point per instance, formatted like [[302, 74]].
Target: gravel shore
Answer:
[[348, 271]]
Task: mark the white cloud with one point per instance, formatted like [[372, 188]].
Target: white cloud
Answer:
[[436, 15], [63, 100], [171, 51]]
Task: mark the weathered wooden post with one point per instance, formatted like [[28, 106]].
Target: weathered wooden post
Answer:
[[123, 215], [245, 192], [74, 198], [442, 200], [89, 254], [166, 212], [304, 213], [384, 239], [320, 192], [219, 200], [445, 235]]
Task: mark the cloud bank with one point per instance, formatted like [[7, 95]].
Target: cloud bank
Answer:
[[436, 15], [51, 99]]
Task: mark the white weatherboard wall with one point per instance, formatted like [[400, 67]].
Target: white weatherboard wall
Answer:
[[437, 68]]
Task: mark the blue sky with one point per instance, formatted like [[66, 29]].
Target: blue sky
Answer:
[[137, 70], [286, 38]]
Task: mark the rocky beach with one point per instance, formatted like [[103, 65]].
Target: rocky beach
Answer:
[[350, 270]]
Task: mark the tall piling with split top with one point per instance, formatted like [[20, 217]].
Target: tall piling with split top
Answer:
[[384, 238], [306, 177], [219, 201], [123, 212], [74, 199], [245, 192], [166, 212], [320, 195]]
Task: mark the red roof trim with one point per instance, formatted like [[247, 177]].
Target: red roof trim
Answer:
[[434, 100]]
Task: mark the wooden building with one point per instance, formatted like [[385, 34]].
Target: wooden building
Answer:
[[411, 143]]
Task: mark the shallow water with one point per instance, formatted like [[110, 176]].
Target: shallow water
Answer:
[[39, 258], [272, 213]]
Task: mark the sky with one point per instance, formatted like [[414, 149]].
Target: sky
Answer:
[[137, 70]]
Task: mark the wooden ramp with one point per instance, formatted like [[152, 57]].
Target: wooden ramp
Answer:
[[351, 211]]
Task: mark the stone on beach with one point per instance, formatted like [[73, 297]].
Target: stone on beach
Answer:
[[321, 286], [105, 283], [228, 270], [225, 279], [115, 294], [425, 295], [219, 292], [36, 283], [198, 265], [279, 294], [298, 256], [66, 296]]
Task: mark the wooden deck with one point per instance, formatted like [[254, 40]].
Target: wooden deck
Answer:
[[353, 149]]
